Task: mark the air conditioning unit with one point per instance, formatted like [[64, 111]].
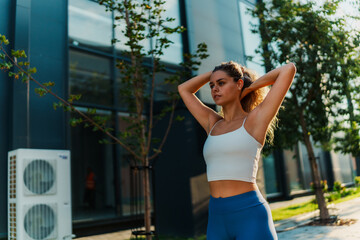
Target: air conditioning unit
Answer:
[[39, 194]]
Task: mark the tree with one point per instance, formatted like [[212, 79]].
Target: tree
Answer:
[[316, 40], [143, 20]]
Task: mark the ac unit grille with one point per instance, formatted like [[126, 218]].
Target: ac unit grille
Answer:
[[12, 221], [39, 222], [39, 176], [12, 177], [37, 201]]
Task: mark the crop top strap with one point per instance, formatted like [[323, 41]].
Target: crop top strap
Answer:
[[244, 121], [214, 126]]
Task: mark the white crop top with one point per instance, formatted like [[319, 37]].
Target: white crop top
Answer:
[[232, 156]]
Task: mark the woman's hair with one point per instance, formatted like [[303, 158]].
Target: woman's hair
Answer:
[[254, 98]]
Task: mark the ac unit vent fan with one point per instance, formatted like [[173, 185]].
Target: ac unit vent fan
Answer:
[[39, 221], [39, 176]]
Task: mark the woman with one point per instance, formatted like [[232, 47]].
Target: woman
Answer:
[[236, 136]]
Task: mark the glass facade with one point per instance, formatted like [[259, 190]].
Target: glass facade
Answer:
[[251, 40], [90, 25], [271, 183], [293, 169], [91, 158], [90, 77], [92, 74], [343, 167]]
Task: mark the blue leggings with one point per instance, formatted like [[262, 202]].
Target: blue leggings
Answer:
[[245, 216]]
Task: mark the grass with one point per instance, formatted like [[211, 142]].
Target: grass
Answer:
[[356, 195], [309, 206], [292, 210]]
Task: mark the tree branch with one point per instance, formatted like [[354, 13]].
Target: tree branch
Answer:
[[92, 122], [167, 131]]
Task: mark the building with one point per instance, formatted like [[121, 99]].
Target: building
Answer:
[[69, 41]]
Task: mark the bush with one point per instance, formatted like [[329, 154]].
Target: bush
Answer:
[[338, 187], [357, 181], [333, 196], [339, 190], [348, 192], [323, 184]]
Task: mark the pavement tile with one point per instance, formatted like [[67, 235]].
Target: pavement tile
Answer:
[[295, 227], [299, 230]]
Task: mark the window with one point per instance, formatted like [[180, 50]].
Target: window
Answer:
[[90, 25], [131, 180], [92, 74], [90, 77], [173, 54], [271, 184], [293, 169], [251, 40], [90, 157]]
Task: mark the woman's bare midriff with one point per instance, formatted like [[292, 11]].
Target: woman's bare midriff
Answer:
[[229, 188]]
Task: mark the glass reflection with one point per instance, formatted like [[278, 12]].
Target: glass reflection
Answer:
[[271, 184], [131, 180], [294, 170], [342, 165], [93, 195], [251, 40], [90, 25], [172, 54], [90, 77]]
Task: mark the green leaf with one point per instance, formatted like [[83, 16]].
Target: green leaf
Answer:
[[40, 91], [25, 78], [157, 150], [91, 110], [3, 39], [49, 84], [32, 70], [179, 118], [104, 141]]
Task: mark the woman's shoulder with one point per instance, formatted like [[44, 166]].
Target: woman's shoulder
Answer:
[[213, 119]]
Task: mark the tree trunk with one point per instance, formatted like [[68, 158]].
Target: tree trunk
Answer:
[[324, 212], [147, 203]]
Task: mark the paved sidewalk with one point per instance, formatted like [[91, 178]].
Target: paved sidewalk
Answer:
[[122, 235], [295, 227]]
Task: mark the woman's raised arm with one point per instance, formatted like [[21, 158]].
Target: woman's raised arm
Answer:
[[281, 79], [203, 114]]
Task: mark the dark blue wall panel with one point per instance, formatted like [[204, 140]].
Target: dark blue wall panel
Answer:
[[42, 31], [48, 43], [181, 159], [20, 120], [26, 120], [6, 15]]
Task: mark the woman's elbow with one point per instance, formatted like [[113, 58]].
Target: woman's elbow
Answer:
[[180, 87], [292, 66]]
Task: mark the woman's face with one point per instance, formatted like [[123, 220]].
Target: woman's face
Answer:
[[223, 88]]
